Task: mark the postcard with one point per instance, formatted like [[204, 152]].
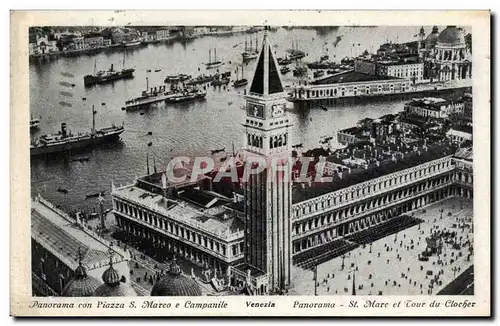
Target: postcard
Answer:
[[250, 163]]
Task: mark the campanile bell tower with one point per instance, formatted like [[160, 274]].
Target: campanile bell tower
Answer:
[[267, 194]]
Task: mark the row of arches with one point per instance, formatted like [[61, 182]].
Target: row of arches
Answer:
[[189, 252], [305, 227], [365, 222]]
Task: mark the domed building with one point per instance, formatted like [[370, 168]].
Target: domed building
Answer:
[[82, 285], [447, 55], [175, 284], [431, 40], [452, 55], [114, 284]]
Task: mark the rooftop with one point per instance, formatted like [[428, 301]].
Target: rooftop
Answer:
[[199, 209], [63, 237], [266, 79], [405, 158], [462, 128], [465, 154]]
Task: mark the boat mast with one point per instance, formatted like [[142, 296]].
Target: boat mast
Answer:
[[95, 63], [256, 42], [209, 55], [123, 60], [215, 54], [246, 44], [93, 120]]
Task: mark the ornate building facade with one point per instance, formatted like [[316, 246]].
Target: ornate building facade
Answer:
[[447, 54]]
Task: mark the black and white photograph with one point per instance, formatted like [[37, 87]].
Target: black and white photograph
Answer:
[[254, 160]]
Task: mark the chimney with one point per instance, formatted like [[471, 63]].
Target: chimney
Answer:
[[378, 163]]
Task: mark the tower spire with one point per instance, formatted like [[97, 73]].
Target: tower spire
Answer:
[[266, 80]]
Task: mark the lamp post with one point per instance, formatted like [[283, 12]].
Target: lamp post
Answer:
[[100, 199]]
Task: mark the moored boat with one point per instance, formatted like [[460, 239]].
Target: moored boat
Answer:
[[213, 64], [105, 76], [284, 70], [65, 140], [132, 44], [240, 82], [34, 123]]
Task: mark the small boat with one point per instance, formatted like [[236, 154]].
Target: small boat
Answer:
[[150, 143], [149, 70], [324, 108], [213, 64], [103, 104], [177, 78], [34, 123], [300, 71], [157, 70], [84, 98], [142, 113], [93, 215], [94, 195], [240, 82], [215, 151], [250, 53], [337, 40], [284, 70], [132, 43], [62, 190], [318, 73], [220, 82], [150, 133], [284, 62], [298, 145], [81, 159]]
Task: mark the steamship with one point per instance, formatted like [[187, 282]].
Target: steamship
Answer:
[[65, 140]]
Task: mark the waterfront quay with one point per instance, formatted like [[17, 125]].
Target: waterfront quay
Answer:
[[352, 85]]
